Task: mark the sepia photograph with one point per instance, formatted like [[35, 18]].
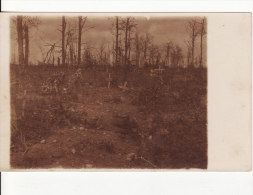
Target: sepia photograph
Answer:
[[122, 97], [108, 92]]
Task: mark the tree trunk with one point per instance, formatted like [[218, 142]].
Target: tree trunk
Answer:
[[20, 40], [193, 45], [188, 59], [117, 40], [71, 51], [201, 41], [145, 52], [200, 63], [137, 52], [126, 49], [63, 40], [79, 40], [126, 41], [129, 43], [168, 55], [26, 45], [145, 48], [58, 61]]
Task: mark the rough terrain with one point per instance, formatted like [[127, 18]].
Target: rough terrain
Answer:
[[148, 123]]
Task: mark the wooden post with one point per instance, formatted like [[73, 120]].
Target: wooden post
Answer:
[[109, 81], [24, 104]]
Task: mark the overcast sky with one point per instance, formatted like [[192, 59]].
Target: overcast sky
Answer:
[[163, 29]]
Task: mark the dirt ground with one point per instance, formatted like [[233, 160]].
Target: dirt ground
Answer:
[[149, 123]]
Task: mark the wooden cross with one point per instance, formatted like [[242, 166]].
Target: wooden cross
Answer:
[[156, 72], [160, 70]]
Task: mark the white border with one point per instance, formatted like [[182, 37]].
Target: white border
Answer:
[[127, 6], [127, 183]]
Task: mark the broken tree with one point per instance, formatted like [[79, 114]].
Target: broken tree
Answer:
[[193, 33], [202, 34], [63, 40], [20, 39], [81, 22]]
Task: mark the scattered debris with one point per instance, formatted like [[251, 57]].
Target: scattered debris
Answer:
[[131, 156], [124, 87], [142, 158], [73, 151], [43, 141], [88, 166], [124, 121], [53, 83], [164, 132]]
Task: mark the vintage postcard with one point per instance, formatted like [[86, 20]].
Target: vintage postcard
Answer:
[[126, 91]]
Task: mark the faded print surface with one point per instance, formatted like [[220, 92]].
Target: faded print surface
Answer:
[[108, 92]]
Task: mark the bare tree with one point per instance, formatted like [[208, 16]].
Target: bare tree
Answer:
[[101, 53], [202, 34], [29, 22], [50, 53], [121, 55], [168, 52], [147, 42], [71, 48], [68, 48], [26, 44], [117, 41], [192, 29], [144, 43], [129, 42], [189, 50], [137, 50], [63, 39], [126, 39], [153, 54], [81, 23], [24, 23], [177, 56], [127, 26], [20, 39]]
